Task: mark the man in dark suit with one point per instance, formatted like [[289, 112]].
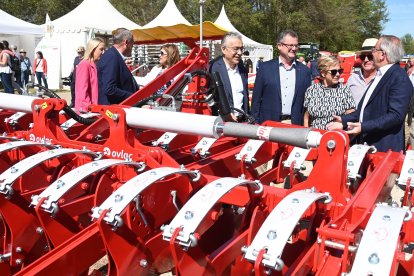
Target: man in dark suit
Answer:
[[379, 119], [233, 74], [115, 81], [281, 84]]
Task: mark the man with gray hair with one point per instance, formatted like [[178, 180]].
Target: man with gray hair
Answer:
[[115, 81], [379, 119], [233, 74]]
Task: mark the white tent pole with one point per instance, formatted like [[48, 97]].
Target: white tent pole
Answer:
[[201, 23]]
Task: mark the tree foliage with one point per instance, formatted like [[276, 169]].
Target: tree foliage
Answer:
[[408, 42], [335, 24]]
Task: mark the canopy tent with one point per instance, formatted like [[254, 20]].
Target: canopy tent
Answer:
[[178, 32], [10, 25], [170, 15], [99, 15], [91, 18], [256, 49]]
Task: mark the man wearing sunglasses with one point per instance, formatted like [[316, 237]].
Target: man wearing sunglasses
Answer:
[[280, 84], [379, 119], [359, 81]]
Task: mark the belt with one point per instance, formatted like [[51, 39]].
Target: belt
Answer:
[[285, 117]]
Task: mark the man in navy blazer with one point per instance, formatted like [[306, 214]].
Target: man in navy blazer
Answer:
[[379, 119], [115, 81], [281, 84], [233, 74]]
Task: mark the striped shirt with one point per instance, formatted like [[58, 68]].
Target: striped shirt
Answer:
[[323, 102]]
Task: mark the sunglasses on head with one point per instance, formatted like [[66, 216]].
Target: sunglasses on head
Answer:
[[336, 71], [363, 56]]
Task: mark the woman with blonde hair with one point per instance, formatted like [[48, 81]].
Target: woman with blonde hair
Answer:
[[328, 97], [169, 55], [86, 84]]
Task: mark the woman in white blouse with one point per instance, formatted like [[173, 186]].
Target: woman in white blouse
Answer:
[[169, 55]]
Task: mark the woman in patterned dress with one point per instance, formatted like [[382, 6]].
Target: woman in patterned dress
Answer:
[[327, 97]]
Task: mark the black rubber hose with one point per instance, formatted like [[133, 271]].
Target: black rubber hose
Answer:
[[223, 103], [145, 100], [69, 111], [250, 119]]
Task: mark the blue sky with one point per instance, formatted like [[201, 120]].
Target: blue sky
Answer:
[[401, 15]]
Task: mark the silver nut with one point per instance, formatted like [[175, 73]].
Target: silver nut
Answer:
[[143, 263], [189, 215]]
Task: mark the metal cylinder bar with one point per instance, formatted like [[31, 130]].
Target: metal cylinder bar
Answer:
[[299, 137], [192, 124], [16, 102], [178, 122]]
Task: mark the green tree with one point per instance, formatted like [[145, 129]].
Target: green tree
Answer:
[[35, 11], [408, 43]]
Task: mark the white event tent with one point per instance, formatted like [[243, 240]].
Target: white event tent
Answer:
[[170, 15], [255, 49], [65, 34], [17, 32]]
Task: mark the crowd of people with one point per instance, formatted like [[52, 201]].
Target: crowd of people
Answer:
[[16, 68], [371, 107]]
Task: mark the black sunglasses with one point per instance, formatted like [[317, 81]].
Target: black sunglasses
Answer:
[[362, 57], [336, 71]]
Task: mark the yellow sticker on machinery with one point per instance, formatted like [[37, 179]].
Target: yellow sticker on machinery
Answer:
[[44, 105], [109, 114]]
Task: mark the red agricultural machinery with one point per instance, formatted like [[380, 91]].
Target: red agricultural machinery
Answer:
[[175, 189]]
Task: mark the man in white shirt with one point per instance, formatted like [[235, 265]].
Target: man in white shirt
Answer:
[[360, 80], [379, 120], [233, 74]]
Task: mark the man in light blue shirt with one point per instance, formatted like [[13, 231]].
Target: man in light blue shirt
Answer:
[[360, 80], [25, 67]]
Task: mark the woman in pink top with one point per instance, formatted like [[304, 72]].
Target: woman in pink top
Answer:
[[86, 85]]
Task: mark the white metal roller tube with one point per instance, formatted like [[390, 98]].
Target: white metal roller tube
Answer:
[[179, 122], [16, 102]]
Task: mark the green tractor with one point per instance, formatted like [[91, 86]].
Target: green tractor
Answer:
[[309, 50]]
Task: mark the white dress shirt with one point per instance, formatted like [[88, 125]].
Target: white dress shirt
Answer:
[[236, 87], [287, 86], [380, 73]]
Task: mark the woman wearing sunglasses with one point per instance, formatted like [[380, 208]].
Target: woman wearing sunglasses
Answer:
[[169, 55], [327, 97], [359, 81]]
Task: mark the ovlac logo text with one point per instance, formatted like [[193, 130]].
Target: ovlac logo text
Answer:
[[117, 154], [43, 139]]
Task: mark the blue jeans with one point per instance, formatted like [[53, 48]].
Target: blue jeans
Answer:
[[6, 80], [24, 77], [41, 76]]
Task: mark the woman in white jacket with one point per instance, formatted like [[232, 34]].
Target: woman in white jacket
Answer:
[[169, 55]]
